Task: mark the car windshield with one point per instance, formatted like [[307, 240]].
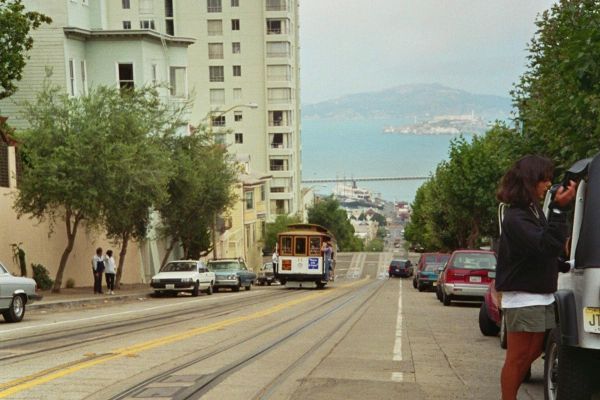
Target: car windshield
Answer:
[[223, 265], [475, 261], [398, 263], [178, 267], [433, 267]]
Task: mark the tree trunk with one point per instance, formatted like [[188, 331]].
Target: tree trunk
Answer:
[[122, 253], [473, 235], [168, 253], [71, 233]]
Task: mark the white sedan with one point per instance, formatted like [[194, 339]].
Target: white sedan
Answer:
[[15, 292], [183, 276]]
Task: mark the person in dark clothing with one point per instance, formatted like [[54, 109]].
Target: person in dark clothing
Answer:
[[98, 270], [528, 263]]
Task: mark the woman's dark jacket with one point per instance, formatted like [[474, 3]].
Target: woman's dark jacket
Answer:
[[529, 249]]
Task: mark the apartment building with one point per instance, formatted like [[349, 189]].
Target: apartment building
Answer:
[[244, 75]]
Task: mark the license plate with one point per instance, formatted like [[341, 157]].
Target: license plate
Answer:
[[591, 319], [170, 286], [475, 279]]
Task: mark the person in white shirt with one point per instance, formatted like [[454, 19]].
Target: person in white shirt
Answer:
[[109, 261], [98, 270]]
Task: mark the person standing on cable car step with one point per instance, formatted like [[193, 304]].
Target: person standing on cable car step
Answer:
[[327, 251]]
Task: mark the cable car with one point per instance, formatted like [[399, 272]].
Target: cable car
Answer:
[[300, 261]]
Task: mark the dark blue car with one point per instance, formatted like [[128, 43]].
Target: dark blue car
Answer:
[[401, 268]]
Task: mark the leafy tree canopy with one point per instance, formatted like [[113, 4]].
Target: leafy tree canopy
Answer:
[[15, 41], [328, 213]]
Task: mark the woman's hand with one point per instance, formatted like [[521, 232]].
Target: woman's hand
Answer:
[[563, 196]]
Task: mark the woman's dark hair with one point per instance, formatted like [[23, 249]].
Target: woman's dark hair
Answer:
[[518, 185], [99, 250], [109, 253]]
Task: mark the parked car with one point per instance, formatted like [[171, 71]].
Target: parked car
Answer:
[[265, 275], [572, 361], [177, 276], [232, 273], [428, 276], [467, 275], [401, 268], [15, 293], [491, 320], [426, 258]]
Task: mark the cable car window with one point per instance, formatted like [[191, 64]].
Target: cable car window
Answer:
[[286, 245], [315, 246], [300, 246]]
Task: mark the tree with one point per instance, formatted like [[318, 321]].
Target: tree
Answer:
[[200, 189], [64, 154], [279, 225], [328, 213], [15, 41], [139, 124], [558, 97]]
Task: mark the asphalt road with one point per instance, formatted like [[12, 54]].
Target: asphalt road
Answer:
[[365, 337]]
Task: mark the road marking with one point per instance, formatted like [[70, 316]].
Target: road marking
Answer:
[[111, 316], [398, 376], [45, 376]]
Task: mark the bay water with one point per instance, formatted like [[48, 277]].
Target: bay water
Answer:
[[355, 149]]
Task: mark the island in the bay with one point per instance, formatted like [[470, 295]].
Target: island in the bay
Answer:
[[443, 125]]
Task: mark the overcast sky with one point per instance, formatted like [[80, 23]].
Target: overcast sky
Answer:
[[351, 46]]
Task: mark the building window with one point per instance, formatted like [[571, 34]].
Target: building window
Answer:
[[147, 24], [154, 74], [170, 26], [277, 165], [215, 27], [237, 94], [215, 51], [235, 3], [213, 6], [177, 79], [218, 120], [274, 27], [282, 72], [216, 73], [249, 197], [126, 24], [263, 194], [236, 47], [279, 95], [125, 76], [278, 49], [83, 77], [237, 70], [276, 5], [235, 24], [126, 4], [239, 138], [217, 96], [72, 77], [237, 116]]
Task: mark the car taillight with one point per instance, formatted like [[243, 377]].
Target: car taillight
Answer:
[[452, 276]]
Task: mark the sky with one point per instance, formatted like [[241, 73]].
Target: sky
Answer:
[[351, 46]]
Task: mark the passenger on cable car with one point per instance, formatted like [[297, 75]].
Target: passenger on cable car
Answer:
[[327, 250]]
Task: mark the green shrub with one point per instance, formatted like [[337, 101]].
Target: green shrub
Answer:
[[41, 277], [70, 283]]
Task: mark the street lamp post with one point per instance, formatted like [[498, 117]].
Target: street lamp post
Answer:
[[210, 117]]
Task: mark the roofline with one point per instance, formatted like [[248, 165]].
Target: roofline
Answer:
[[126, 33]]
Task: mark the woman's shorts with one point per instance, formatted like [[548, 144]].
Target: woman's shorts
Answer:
[[530, 319]]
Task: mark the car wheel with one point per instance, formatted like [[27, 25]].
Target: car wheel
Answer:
[[566, 371], [196, 289], [438, 293], [237, 287], [415, 283], [446, 298], [209, 290], [16, 311], [157, 293], [269, 283], [249, 287], [420, 287], [486, 325], [503, 333]]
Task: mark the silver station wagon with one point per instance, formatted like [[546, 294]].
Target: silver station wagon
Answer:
[[15, 293]]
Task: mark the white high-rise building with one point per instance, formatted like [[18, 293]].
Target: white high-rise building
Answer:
[[243, 73]]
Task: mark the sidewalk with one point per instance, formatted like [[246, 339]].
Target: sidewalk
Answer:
[[82, 296]]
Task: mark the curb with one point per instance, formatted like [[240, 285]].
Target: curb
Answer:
[[82, 302]]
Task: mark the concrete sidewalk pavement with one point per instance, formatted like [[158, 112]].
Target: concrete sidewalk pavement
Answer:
[[82, 296]]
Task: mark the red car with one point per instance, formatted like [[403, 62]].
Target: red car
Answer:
[[491, 321], [467, 275]]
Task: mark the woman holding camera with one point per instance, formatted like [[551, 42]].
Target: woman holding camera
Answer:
[[528, 263]]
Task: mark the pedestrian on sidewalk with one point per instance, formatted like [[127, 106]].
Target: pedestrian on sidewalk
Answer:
[[98, 270], [110, 272], [528, 263]]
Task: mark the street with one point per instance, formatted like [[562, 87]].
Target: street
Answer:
[[365, 336]]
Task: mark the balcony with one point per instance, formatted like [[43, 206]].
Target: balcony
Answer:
[[281, 196], [277, 5]]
